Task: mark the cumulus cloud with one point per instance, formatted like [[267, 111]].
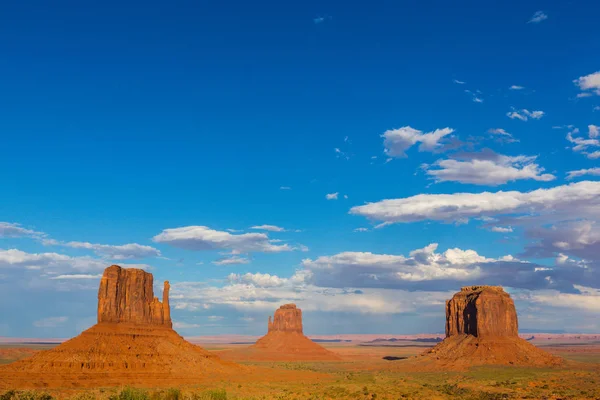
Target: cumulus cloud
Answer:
[[516, 87], [397, 141], [13, 230], [524, 114], [265, 293], [203, 238], [332, 196], [593, 131], [579, 238], [258, 279], [587, 299], [583, 172], [538, 17], [589, 83], [50, 322], [487, 168], [231, 261], [425, 269], [575, 199], [270, 228]]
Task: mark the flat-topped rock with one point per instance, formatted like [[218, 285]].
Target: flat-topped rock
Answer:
[[127, 296], [287, 318], [481, 311]]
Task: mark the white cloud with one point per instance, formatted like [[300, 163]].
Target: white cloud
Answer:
[[588, 299], [285, 188], [319, 20], [487, 168], [77, 276], [258, 279], [524, 114], [424, 269], [19, 259], [266, 295], [516, 87], [397, 141], [459, 82], [270, 228], [120, 252], [581, 199], [204, 238], [50, 322], [501, 229], [597, 108], [477, 99], [361, 230], [185, 325], [582, 172], [593, 131], [589, 82], [538, 17], [502, 135], [232, 261], [582, 145], [332, 196], [13, 230]]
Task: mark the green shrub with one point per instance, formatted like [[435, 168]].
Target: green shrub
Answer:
[[25, 395], [130, 393]]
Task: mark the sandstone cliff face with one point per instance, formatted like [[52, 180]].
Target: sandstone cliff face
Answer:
[[127, 295], [481, 311], [288, 318]]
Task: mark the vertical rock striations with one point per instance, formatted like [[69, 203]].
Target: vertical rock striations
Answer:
[[284, 341], [287, 318], [481, 311], [132, 343], [127, 296], [482, 328]]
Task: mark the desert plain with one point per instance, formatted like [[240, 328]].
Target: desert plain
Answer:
[[133, 353]]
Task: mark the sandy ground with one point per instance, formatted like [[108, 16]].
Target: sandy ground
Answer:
[[379, 371]]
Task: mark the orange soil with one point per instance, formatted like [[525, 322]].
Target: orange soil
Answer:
[[114, 354], [464, 351], [282, 346]]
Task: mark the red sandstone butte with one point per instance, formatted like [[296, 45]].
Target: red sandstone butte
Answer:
[[284, 341], [482, 328], [288, 318], [481, 311], [133, 343], [127, 295]]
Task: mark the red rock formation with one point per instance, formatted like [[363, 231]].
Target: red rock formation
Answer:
[[481, 311], [288, 318], [132, 343], [482, 328], [127, 295], [284, 341]]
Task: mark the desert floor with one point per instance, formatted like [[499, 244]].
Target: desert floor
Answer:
[[363, 373]]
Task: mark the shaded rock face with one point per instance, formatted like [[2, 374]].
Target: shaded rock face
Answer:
[[481, 311], [127, 295], [287, 318]]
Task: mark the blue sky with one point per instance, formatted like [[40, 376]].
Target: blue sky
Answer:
[[244, 152]]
